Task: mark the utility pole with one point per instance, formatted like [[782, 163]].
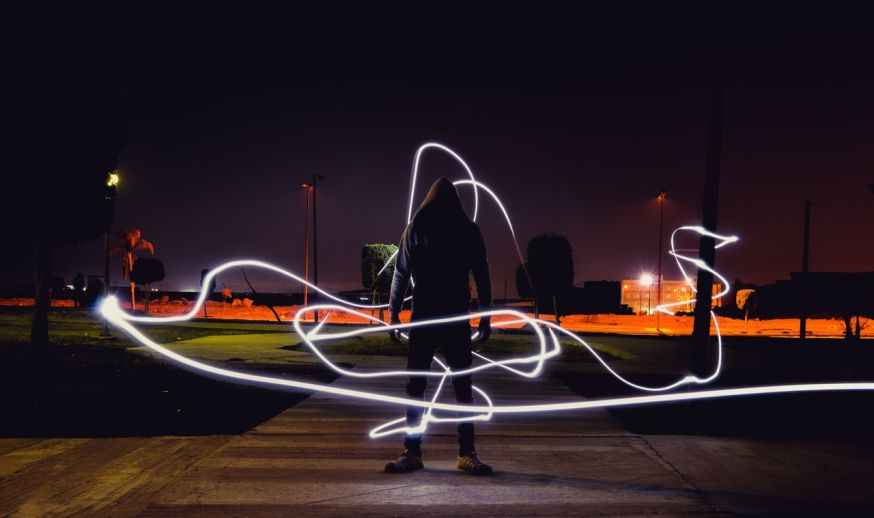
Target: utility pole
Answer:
[[316, 178], [306, 243], [112, 181], [707, 245], [805, 253], [662, 196]]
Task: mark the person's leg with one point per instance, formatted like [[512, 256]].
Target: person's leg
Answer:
[[420, 356], [456, 348]]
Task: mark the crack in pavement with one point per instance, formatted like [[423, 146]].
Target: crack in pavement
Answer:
[[700, 493], [360, 494]]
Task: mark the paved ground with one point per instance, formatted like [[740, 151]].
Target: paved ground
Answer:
[[316, 459], [82, 476]]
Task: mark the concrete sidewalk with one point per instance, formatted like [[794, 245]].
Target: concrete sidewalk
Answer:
[[316, 459]]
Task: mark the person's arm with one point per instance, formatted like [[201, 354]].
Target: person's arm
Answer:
[[401, 277], [480, 267]]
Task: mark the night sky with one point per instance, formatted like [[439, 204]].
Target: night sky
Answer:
[[576, 131]]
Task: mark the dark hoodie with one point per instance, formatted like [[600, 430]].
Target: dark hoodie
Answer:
[[439, 249]]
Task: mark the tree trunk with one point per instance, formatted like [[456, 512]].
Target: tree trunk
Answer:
[[700, 353], [133, 304], [848, 327], [146, 300], [858, 328], [246, 278], [555, 308], [104, 330], [39, 327], [381, 309]]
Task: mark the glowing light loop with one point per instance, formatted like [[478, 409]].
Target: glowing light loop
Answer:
[[546, 334]]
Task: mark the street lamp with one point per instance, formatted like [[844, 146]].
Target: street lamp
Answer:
[[661, 197], [306, 241], [647, 280], [314, 188], [113, 178]]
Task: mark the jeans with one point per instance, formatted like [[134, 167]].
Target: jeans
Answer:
[[453, 340]]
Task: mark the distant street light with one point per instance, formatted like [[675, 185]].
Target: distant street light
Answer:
[[661, 198]]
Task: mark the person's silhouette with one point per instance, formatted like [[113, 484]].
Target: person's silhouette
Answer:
[[439, 249]]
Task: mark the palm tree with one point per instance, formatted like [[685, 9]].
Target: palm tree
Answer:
[[129, 242]]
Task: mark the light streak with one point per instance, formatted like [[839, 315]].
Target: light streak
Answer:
[[548, 342], [117, 317]]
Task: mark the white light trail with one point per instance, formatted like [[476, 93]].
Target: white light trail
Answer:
[[111, 310], [547, 347]]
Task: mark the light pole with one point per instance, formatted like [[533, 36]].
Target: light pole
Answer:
[[314, 188], [805, 254], [112, 181], [649, 300], [661, 197], [646, 280], [306, 242]]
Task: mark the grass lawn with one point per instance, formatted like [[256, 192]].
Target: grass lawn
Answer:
[[748, 362], [98, 386], [112, 387], [500, 345]]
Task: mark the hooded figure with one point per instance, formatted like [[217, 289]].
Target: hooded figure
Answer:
[[439, 249]]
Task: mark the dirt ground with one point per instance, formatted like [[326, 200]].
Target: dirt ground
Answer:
[[611, 324]]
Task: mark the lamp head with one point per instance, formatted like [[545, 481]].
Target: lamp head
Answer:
[[113, 178]]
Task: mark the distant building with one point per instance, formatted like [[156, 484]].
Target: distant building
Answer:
[[642, 299]]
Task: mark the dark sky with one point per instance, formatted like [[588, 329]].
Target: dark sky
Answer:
[[576, 132]]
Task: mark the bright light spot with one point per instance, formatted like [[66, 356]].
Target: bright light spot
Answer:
[[109, 307], [112, 179], [646, 279]]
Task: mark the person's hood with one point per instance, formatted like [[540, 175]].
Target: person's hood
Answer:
[[442, 197]]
